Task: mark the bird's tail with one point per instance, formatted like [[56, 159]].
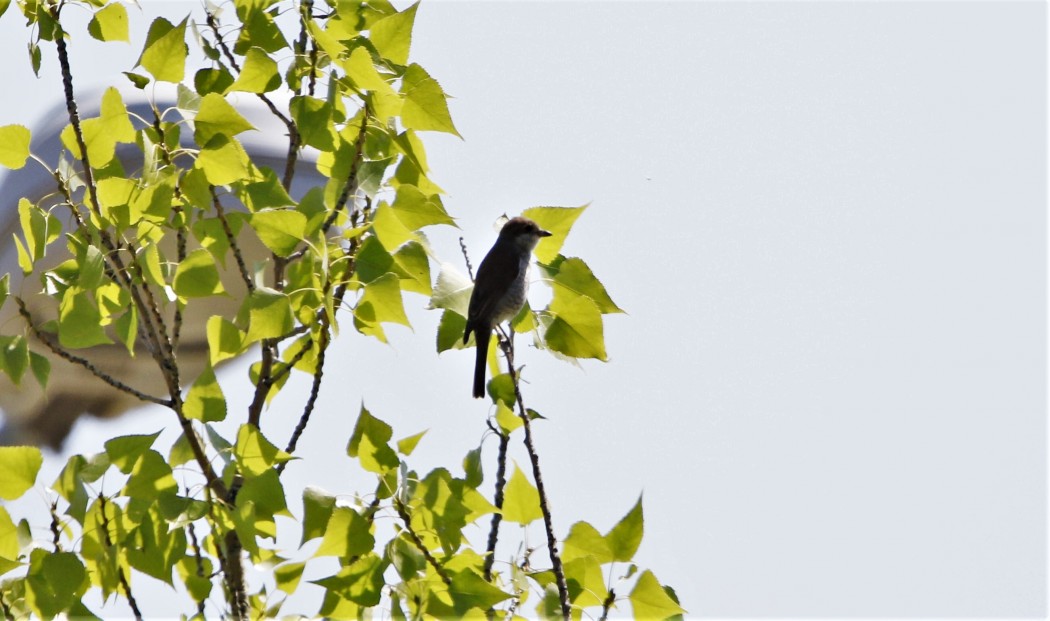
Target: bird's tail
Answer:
[[481, 337]]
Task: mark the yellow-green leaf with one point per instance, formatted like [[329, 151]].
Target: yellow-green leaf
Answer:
[[223, 161], [205, 401], [259, 73], [79, 322], [521, 501], [217, 116], [557, 220], [280, 230], [650, 600], [110, 23], [197, 276], [225, 340], [576, 329], [20, 465], [392, 35], [347, 534], [165, 51], [425, 107], [14, 146], [255, 454], [269, 315]]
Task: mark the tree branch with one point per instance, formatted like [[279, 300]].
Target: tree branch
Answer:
[[83, 362], [497, 516], [124, 584], [416, 541], [534, 458]]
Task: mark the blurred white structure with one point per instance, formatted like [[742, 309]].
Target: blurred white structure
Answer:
[[45, 417]]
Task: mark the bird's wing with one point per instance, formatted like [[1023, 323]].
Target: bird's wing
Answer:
[[495, 275]]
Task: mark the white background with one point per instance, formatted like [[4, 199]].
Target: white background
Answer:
[[827, 222]]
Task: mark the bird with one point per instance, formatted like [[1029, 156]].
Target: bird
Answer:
[[500, 288]]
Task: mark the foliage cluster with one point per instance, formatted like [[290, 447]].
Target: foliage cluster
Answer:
[[140, 247]]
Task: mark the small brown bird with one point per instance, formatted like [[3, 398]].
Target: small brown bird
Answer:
[[500, 288]]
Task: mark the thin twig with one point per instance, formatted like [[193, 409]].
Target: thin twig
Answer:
[[607, 604], [497, 516], [407, 520], [56, 539], [200, 562], [124, 584], [351, 185], [221, 213], [466, 258], [83, 362], [552, 542]]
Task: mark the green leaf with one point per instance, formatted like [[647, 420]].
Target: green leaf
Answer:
[[205, 401], [124, 451], [5, 288], [223, 161], [164, 54], [450, 331], [20, 465], [210, 80], [269, 315], [287, 576], [347, 534], [475, 475], [224, 339], [626, 536], [576, 329], [151, 478], [41, 368], [557, 220], [369, 444], [405, 446], [507, 420], [79, 322], [217, 116], [197, 276], [9, 545], [258, 29], [380, 303], [425, 107], [649, 600], [14, 357], [255, 454], [139, 81], [313, 118], [258, 74], [575, 277], [586, 584], [360, 582], [585, 541], [317, 509], [471, 591], [110, 23], [55, 582], [392, 35], [266, 493], [281, 230], [521, 501], [389, 228], [415, 209], [14, 146]]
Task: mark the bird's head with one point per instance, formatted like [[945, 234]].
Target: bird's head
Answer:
[[523, 233]]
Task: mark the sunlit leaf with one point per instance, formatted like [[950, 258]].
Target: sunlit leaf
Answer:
[[649, 600], [14, 146], [626, 536], [425, 107], [259, 73], [110, 23], [20, 465], [521, 501], [197, 276], [205, 400], [557, 220], [576, 329], [164, 54]]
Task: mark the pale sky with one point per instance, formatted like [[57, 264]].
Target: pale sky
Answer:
[[827, 224]]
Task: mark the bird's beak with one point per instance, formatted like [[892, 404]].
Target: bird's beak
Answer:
[[544, 233]]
